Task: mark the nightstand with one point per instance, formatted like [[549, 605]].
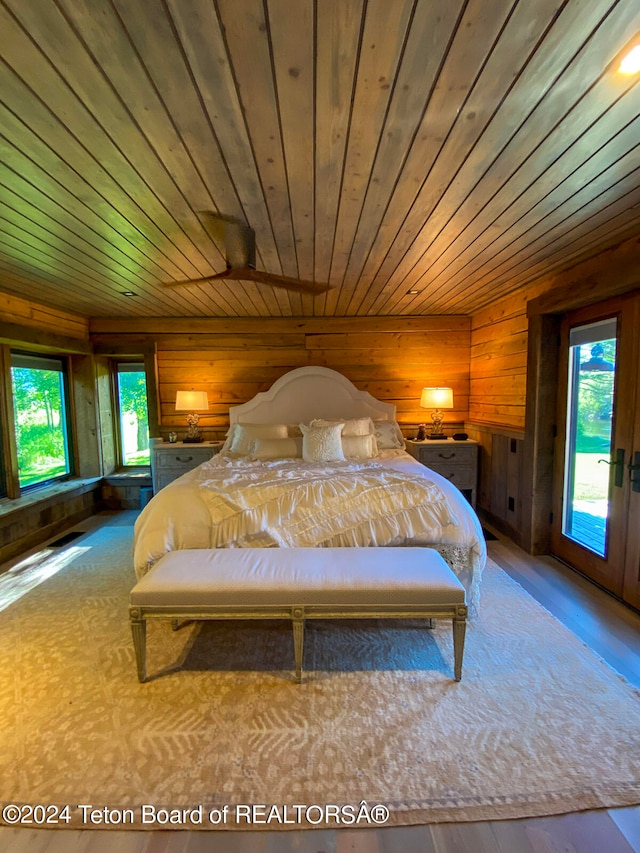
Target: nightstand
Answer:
[[169, 461], [455, 460]]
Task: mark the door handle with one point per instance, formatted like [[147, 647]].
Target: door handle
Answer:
[[634, 472], [618, 464]]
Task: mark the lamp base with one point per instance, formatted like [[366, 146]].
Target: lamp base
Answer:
[[197, 440], [440, 436]]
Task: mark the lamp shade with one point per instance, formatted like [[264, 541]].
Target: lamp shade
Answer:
[[436, 398], [191, 401]]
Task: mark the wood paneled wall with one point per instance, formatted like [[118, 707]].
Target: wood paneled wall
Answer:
[[233, 359], [17, 311], [499, 333], [498, 369], [503, 415]]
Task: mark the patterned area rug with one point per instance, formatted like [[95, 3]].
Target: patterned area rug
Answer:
[[222, 736]]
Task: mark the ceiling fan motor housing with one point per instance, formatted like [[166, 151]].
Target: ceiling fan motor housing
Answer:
[[240, 245]]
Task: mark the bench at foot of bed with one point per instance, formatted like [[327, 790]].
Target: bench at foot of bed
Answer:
[[299, 584]]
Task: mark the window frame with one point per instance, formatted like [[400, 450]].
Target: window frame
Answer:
[[4, 492], [115, 362], [84, 401], [8, 449], [69, 422], [3, 476]]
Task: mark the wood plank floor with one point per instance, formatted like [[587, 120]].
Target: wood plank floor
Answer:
[[606, 625]]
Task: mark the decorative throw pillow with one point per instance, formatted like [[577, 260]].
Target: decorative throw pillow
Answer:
[[359, 446], [388, 435], [322, 443], [352, 426], [226, 447], [277, 448], [245, 436]]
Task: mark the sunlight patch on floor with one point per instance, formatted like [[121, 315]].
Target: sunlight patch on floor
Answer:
[[33, 570]]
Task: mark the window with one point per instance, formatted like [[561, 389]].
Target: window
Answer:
[[132, 407], [3, 478], [40, 401]]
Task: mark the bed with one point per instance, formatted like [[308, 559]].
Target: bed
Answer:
[[258, 492]]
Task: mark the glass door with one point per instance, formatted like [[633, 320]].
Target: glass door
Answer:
[[594, 440], [588, 440]]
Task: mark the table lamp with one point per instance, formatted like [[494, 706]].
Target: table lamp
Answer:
[[192, 402], [437, 399]]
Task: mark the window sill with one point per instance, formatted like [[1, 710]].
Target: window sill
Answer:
[[47, 494], [133, 476]]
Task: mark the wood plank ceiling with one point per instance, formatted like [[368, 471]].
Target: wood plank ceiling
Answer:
[[457, 148]]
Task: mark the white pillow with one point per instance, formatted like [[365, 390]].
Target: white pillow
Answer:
[[322, 443], [226, 447], [277, 448], [359, 446], [245, 436], [388, 435], [352, 426]]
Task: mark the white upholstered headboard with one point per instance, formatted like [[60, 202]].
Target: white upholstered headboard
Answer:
[[310, 392]]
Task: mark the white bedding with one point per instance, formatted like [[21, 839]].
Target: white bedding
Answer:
[[239, 503]]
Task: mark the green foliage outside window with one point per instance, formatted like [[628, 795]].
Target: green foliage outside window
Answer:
[[40, 422], [595, 401], [134, 418]]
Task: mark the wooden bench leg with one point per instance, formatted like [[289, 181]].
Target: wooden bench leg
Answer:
[[139, 631], [297, 616], [459, 630]]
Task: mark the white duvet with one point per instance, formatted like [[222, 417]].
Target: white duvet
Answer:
[[242, 503]]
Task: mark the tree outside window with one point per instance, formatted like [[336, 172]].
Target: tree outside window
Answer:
[[134, 418], [40, 406]]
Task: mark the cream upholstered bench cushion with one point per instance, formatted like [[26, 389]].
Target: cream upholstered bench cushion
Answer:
[[273, 576], [299, 584]]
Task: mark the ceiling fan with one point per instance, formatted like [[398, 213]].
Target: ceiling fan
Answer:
[[240, 253]]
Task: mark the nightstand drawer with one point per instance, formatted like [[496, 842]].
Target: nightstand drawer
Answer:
[[449, 455], [462, 476], [170, 461], [457, 461], [183, 460]]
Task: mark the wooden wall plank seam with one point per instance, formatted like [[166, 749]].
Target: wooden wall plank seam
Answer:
[[392, 359]]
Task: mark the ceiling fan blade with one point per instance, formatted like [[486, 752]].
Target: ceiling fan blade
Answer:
[[298, 285], [240, 252], [259, 276]]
